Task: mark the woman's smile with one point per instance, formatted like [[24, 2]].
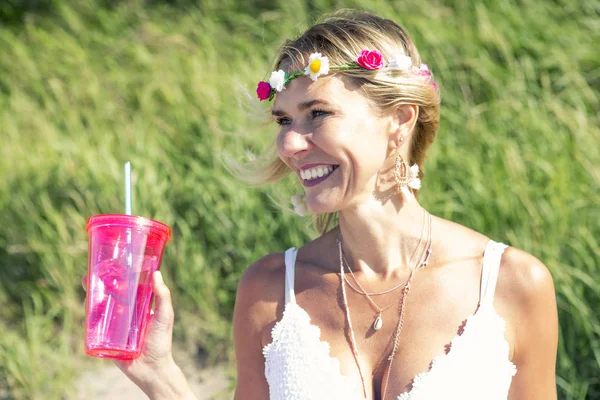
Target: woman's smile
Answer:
[[314, 175]]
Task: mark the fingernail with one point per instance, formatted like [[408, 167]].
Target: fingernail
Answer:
[[159, 277]]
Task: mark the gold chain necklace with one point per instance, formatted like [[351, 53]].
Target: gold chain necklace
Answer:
[[401, 310], [378, 320], [362, 290]]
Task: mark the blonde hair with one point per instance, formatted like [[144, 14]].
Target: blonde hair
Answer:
[[341, 37]]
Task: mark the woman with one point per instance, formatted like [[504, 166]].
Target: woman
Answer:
[[362, 310]]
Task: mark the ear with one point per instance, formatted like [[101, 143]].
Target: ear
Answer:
[[403, 121]]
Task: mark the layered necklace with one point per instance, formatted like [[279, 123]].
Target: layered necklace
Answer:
[[425, 255], [378, 319]]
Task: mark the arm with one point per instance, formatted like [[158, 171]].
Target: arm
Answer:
[[259, 292], [535, 320]]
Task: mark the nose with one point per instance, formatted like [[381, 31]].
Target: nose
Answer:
[[291, 143]]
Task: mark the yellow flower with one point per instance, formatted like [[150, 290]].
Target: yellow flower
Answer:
[[317, 66]]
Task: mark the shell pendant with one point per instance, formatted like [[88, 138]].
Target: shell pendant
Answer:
[[378, 323]]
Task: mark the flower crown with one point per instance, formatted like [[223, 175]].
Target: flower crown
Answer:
[[319, 65]]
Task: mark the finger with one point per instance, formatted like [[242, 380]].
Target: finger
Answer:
[[163, 310], [84, 282]]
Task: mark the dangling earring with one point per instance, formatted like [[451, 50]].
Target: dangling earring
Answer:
[[300, 208], [406, 177]]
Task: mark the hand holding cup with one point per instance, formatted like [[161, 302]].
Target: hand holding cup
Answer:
[[155, 371]]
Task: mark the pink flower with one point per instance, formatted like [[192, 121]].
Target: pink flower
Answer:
[[370, 59], [263, 90], [424, 71]]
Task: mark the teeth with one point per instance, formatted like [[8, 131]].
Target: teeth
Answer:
[[317, 172]]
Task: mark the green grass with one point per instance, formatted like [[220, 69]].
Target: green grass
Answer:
[[84, 88]]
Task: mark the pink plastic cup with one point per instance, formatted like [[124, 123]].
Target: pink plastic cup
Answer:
[[124, 251]]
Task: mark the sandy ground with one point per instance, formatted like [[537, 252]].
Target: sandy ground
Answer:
[[108, 382]]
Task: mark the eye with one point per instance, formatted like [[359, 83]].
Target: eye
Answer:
[[319, 113], [283, 121]]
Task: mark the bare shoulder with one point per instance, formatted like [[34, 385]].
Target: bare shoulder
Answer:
[[521, 275], [525, 295], [263, 271], [524, 278], [456, 242], [524, 287], [261, 288]]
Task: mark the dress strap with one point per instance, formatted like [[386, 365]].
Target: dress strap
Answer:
[[290, 265], [489, 274]]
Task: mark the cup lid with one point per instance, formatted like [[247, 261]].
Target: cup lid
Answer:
[[128, 221]]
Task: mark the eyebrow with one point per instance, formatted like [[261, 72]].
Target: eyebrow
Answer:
[[302, 106]]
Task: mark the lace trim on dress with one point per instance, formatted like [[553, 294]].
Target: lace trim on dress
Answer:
[[298, 364], [482, 349]]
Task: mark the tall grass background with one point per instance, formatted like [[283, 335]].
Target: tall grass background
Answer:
[[85, 86]]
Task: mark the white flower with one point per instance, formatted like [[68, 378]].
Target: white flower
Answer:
[[414, 170], [300, 207], [301, 210], [317, 66], [414, 181], [277, 80], [297, 199], [400, 61]]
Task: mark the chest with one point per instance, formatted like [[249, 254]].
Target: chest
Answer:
[[435, 317]]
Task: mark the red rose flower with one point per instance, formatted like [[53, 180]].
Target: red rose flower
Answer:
[[370, 59], [263, 90]]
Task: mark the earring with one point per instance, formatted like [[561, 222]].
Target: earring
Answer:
[[300, 207], [406, 177]]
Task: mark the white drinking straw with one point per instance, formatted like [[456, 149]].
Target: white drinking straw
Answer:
[[129, 250]]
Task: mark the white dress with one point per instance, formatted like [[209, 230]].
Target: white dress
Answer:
[[298, 365]]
